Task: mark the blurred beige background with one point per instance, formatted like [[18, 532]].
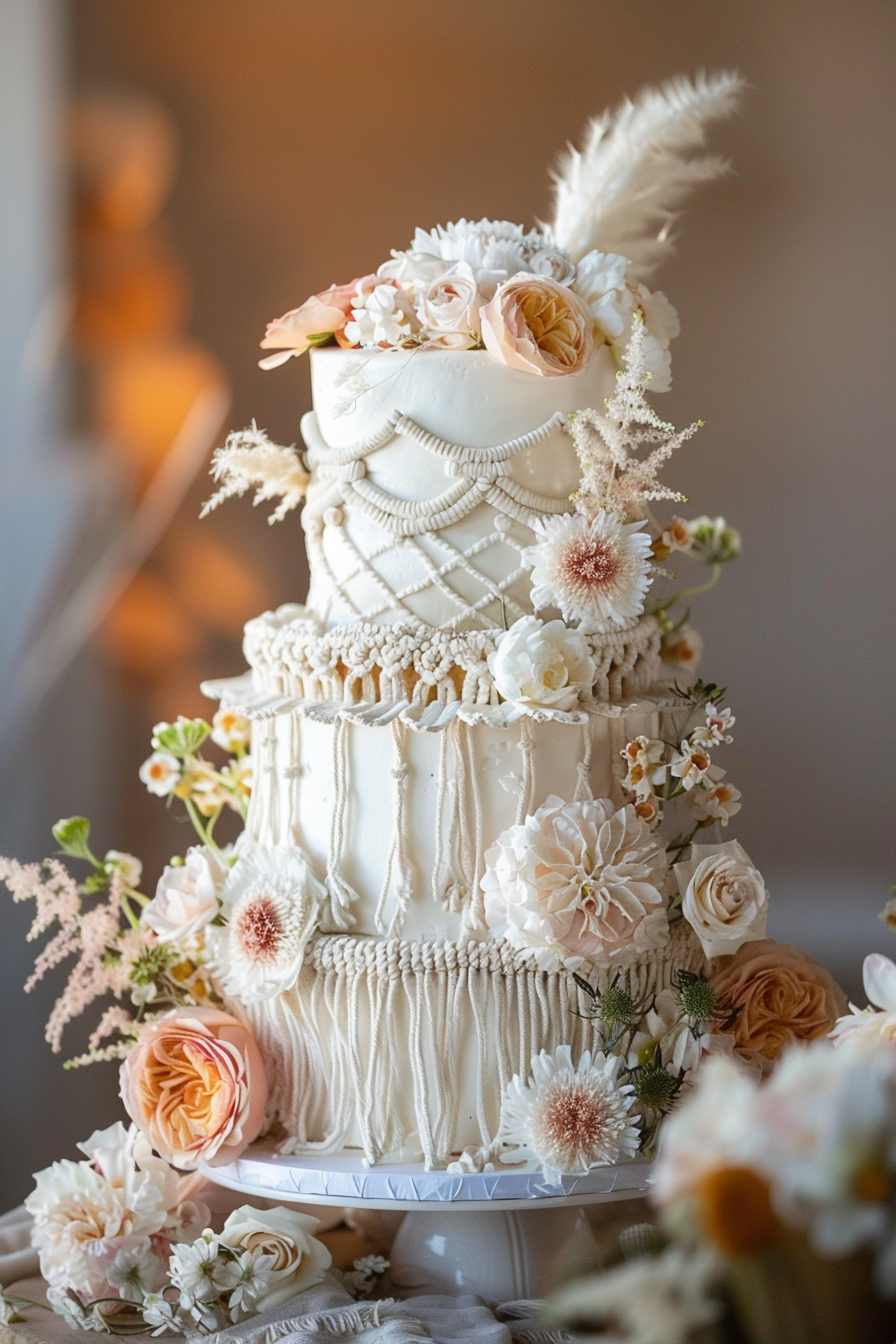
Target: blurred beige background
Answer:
[[314, 139]]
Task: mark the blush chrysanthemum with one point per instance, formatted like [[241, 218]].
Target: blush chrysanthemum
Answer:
[[596, 571], [272, 902], [570, 1118]]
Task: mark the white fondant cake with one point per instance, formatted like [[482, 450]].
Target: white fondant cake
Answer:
[[474, 744]]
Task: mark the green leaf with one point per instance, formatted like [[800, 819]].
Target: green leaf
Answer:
[[71, 835], [183, 738], [320, 338]]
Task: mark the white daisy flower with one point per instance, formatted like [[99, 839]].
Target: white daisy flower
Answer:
[[160, 773], [691, 764], [570, 1118], [134, 1270], [715, 801], [272, 902], [658, 1300], [230, 730], [596, 572]]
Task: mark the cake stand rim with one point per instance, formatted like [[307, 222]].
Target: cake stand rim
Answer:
[[467, 1191]]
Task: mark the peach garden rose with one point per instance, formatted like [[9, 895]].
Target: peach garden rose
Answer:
[[781, 995], [539, 326], [195, 1086]]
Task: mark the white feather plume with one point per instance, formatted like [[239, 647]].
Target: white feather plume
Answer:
[[620, 192]]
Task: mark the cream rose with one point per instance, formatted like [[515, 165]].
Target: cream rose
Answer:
[[541, 665], [323, 314], [537, 325], [448, 308], [186, 898], [725, 900], [195, 1085], [300, 1260], [781, 996]]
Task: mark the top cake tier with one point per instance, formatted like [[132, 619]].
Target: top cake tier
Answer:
[[428, 469]]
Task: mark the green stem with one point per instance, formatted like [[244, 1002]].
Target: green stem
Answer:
[[198, 827], [213, 820]]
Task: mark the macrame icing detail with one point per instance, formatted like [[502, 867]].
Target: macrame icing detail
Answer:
[[435, 851], [434, 552], [458, 1018], [426, 676]]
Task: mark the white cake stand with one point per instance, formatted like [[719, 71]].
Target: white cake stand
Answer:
[[492, 1233]]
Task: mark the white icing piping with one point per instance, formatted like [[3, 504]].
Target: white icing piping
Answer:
[[374, 1007]]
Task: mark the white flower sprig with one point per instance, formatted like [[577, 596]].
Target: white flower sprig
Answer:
[[614, 477], [249, 460]]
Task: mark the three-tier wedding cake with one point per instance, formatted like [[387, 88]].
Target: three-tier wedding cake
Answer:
[[465, 742]]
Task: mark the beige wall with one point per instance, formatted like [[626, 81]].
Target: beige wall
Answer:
[[316, 138]]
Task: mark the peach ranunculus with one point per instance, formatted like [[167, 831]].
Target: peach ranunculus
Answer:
[[537, 325], [195, 1086], [324, 314], [781, 995]]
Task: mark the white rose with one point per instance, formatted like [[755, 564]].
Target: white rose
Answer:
[[449, 308], [725, 900], [553, 263], [300, 1260], [542, 665], [186, 898]]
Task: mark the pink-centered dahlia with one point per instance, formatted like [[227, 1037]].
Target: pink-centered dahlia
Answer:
[[597, 572], [570, 1117], [272, 903], [577, 883]]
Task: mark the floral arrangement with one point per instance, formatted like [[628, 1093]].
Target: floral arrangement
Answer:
[[756, 1181], [123, 1250], [540, 301]]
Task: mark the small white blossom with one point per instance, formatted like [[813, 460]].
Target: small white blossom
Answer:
[[645, 766], [161, 1314], [717, 728], [384, 316], [133, 1270], [255, 1275], [714, 800], [713, 541], [230, 730], [68, 1305], [160, 773], [128, 865], [691, 764], [199, 1272]]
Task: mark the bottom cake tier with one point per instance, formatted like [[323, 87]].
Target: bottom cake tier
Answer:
[[404, 1049]]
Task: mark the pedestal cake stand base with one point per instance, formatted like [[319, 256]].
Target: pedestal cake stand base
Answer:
[[489, 1233]]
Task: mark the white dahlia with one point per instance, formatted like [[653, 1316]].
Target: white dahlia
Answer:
[[596, 572], [272, 903], [578, 882], [570, 1118]]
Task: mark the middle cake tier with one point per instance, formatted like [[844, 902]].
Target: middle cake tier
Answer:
[[396, 822]]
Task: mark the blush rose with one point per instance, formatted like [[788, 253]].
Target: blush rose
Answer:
[[781, 996], [539, 326], [326, 313], [195, 1086]]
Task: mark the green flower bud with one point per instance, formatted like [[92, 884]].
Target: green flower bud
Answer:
[[617, 1007], [697, 998], [183, 738], [71, 835], [713, 541], [655, 1087]]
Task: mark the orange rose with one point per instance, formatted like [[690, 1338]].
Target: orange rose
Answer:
[[195, 1085], [784, 997], [539, 326], [324, 314]]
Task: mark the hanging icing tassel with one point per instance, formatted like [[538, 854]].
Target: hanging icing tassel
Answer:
[[398, 863], [342, 894], [584, 791]]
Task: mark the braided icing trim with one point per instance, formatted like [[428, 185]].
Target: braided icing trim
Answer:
[[362, 662]]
